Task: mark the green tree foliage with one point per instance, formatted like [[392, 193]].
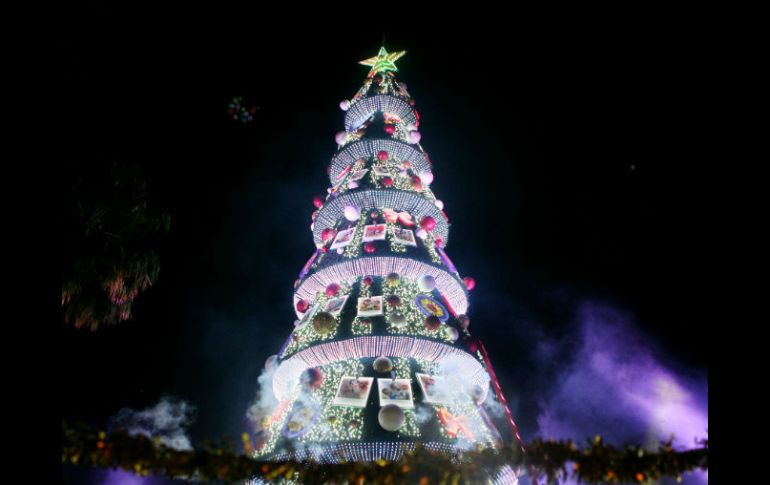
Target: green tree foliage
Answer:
[[108, 241]]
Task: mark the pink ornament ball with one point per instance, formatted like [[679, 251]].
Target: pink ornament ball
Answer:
[[344, 105], [382, 155], [414, 136], [369, 247], [428, 223], [318, 202], [470, 283], [340, 137], [390, 129], [387, 181], [332, 290], [328, 234]]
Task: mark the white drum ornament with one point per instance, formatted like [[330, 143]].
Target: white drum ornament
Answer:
[[344, 105], [271, 362], [426, 283], [391, 417], [426, 177], [340, 137], [421, 233], [352, 213], [439, 203]]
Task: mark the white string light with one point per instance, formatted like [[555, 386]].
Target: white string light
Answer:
[[448, 284], [365, 107], [367, 148], [416, 204]]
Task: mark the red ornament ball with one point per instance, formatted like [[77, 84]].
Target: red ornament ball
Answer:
[[439, 242], [332, 290], [302, 306], [328, 234], [318, 202], [428, 223], [432, 322], [382, 155], [368, 280], [369, 247], [325, 249], [470, 283], [387, 181], [374, 215], [390, 129]]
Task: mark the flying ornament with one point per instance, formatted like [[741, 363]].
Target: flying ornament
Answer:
[[239, 111]]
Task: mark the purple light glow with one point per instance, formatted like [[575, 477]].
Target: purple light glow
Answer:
[[615, 386]]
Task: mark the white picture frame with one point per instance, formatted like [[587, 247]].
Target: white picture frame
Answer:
[[395, 391], [429, 395], [335, 305], [381, 171], [358, 175], [343, 238], [375, 232], [404, 236], [370, 306], [353, 391]]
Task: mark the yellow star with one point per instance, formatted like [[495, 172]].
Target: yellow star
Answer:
[[383, 62]]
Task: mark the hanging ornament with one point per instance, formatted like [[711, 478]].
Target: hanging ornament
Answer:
[[393, 300], [311, 378], [470, 283], [369, 247], [271, 362], [398, 320], [428, 223], [390, 129], [463, 321], [302, 306], [332, 290], [440, 204], [344, 105], [391, 417], [324, 323], [439, 242], [382, 155], [392, 280], [454, 334], [432, 322], [382, 365], [426, 283], [340, 137], [351, 213], [328, 234], [367, 280], [318, 202], [414, 137], [427, 177], [421, 233], [387, 181]]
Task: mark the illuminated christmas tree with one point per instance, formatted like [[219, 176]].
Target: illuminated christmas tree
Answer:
[[381, 358]]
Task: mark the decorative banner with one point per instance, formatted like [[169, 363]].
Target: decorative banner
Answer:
[[445, 259], [353, 391], [396, 391], [429, 306], [302, 418], [344, 172]]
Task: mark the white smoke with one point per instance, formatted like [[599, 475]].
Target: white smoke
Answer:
[[265, 400], [167, 421]]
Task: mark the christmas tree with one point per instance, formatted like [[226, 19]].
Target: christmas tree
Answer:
[[381, 358]]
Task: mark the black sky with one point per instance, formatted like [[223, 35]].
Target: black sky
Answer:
[[562, 151]]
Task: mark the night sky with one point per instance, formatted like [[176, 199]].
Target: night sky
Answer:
[[561, 152]]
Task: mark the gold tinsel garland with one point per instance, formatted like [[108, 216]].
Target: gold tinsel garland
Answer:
[[596, 463]]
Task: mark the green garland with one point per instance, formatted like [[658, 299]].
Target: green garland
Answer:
[[596, 463]]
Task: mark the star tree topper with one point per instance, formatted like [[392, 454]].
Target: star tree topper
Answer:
[[383, 62]]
